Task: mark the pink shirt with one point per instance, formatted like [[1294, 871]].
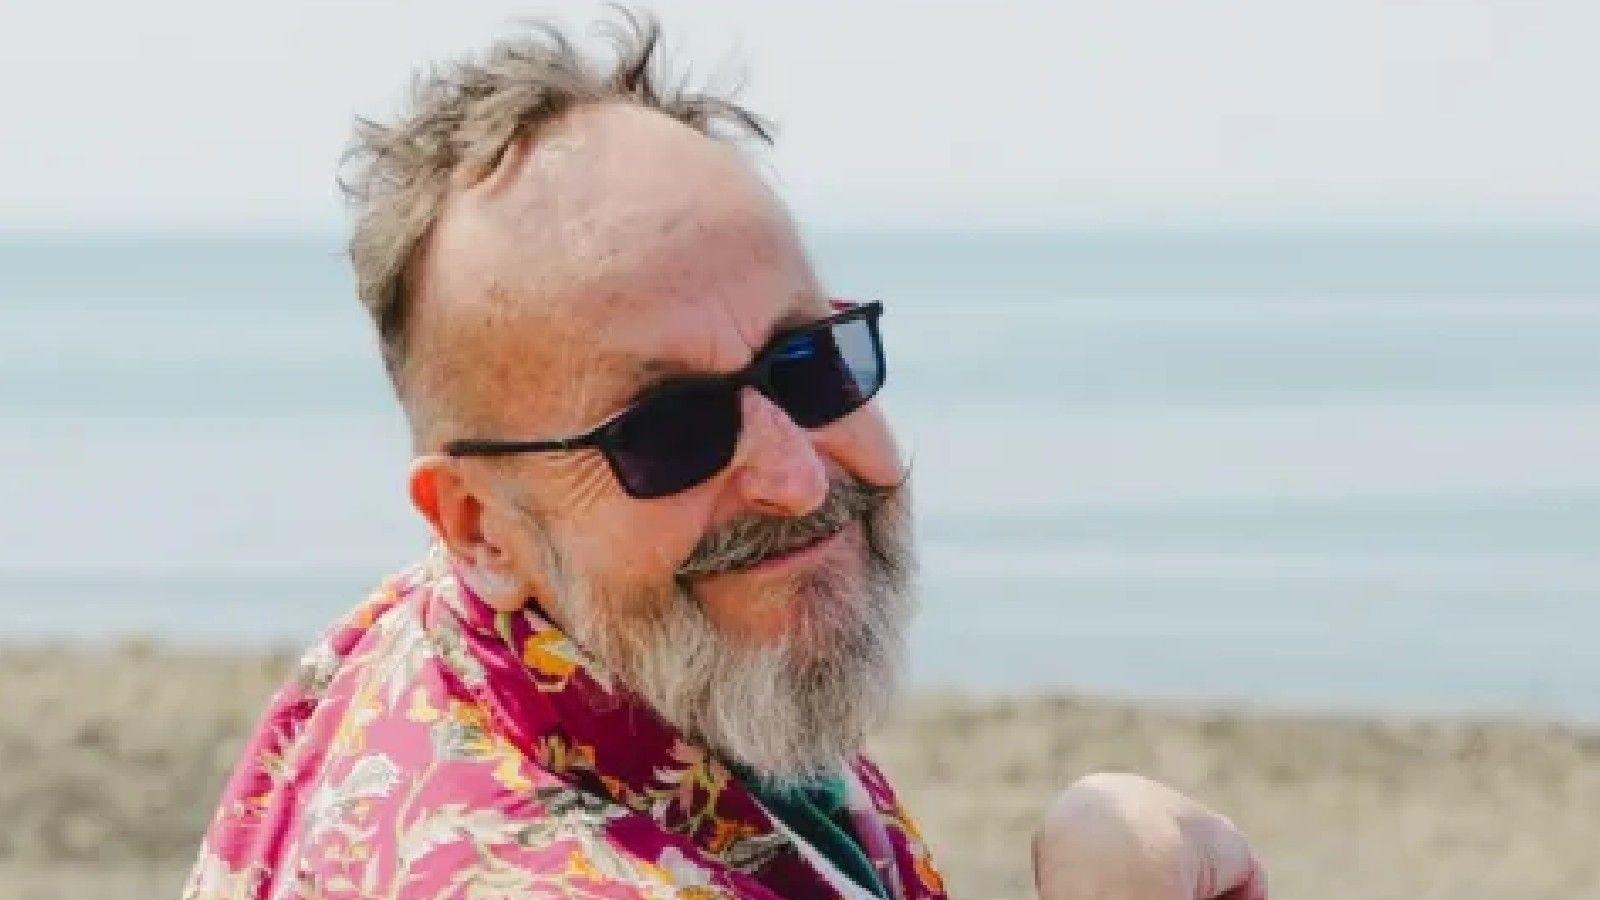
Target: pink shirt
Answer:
[[431, 747]]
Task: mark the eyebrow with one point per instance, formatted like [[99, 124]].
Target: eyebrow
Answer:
[[647, 374]]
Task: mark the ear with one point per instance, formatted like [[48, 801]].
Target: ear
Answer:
[[451, 508], [454, 510]]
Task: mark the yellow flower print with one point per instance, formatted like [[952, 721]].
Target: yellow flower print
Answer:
[[578, 866], [558, 756], [508, 767], [470, 715], [725, 832], [420, 709], [583, 757], [363, 615], [549, 653], [928, 874], [907, 823], [351, 736]]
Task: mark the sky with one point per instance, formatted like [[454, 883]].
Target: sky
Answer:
[[205, 115]]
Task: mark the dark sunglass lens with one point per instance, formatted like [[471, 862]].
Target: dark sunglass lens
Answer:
[[820, 376], [674, 440]]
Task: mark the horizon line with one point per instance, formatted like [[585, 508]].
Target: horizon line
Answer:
[[229, 232]]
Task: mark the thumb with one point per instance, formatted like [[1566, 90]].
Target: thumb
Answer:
[[1253, 888], [1226, 868]]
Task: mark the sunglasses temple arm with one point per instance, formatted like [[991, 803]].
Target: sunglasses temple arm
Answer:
[[500, 448]]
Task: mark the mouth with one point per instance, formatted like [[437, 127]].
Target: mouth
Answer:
[[801, 555]]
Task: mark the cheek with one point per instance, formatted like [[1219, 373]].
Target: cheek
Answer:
[[632, 541], [604, 534], [864, 446]]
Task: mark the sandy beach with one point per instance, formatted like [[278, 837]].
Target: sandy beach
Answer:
[[111, 759]]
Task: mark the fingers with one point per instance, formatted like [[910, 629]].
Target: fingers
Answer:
[[1254, 887], [1125, 837], [1222, 857], [1111, 837]]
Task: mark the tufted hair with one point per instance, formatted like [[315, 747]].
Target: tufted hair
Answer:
[[461, 118]]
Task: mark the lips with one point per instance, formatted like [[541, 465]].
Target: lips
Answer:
[[796, 553], [754, 542], [797, 549]]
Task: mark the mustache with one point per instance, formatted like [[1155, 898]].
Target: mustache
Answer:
[[747, 541]]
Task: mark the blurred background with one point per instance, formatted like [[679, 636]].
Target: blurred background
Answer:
[[1246, 354]]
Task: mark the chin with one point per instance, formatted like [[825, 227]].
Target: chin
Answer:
[[785, 666], [803, 612]]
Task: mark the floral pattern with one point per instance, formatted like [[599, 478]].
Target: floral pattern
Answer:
[[429, 747]]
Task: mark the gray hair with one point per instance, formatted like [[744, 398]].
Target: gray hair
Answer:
[[797, 707], [461, 119]]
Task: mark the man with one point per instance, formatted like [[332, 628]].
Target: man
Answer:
[[670, 589]]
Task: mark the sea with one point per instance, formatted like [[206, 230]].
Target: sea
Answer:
[[1322, 469]]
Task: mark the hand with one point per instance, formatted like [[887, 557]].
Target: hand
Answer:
[[1123, 837]]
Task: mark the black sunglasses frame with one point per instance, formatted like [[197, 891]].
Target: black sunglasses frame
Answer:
[[756, 375]]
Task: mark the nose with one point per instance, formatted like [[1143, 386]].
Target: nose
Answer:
[[777, 469]]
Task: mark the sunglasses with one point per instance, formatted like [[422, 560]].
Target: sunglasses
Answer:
[[683, 431]]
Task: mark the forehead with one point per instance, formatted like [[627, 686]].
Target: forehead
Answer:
[[616, 248]]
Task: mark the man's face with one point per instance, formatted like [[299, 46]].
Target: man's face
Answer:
[[619, 249]]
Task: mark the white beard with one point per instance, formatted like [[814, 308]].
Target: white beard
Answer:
[[796, 708]]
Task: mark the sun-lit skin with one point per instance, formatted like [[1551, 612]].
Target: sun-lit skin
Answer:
[[615, 248]]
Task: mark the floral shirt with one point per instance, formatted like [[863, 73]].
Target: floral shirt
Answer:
[[431, 747]]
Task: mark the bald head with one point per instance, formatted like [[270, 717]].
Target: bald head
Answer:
[[464, 118], [577, 269]]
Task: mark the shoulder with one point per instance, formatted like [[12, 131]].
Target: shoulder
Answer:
[[579, 865], [909, 845], [875, 785], [550, 841], [421, 794]]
